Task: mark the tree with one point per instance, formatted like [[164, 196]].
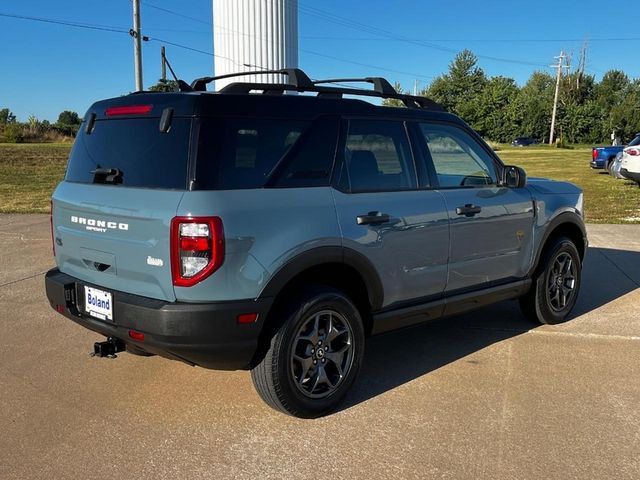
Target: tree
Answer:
[[393, 102], [6, 116], [164, 85], [457, 90], [493, 117], [531, 109], [68, 123]]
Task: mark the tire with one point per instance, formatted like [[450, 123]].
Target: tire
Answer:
[[314, 357], [610, 164], [556, 284]]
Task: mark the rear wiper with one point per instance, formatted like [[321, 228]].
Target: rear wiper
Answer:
[[107, 175]]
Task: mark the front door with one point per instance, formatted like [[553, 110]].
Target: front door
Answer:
[[491, 225]]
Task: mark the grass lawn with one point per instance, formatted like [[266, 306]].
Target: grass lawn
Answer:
[[30, 172], [606, 200]]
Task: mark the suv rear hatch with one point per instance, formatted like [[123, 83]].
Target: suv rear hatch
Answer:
[[126, 175]]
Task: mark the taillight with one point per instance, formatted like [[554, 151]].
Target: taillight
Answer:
[[594, 153], [634, 152], [128, 110], [53, 240], [197, 249]]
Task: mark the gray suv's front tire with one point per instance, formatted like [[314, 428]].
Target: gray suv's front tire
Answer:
[[556, 284], [314, 357]]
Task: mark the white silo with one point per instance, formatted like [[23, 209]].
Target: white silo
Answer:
[[254, 35]]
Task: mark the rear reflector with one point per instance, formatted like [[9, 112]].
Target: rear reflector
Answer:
[[139, 336], [245, 318], [53, 240], [128, 110], [60, 308]]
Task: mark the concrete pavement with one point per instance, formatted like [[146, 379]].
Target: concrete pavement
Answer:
[[483, 395]]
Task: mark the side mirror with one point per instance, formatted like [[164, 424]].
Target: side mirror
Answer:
[[514, 177]]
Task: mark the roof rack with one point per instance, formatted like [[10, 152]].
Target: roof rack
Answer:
[[300, 82], [296, 77]]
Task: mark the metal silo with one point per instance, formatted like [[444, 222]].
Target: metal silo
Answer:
[[254, 35]]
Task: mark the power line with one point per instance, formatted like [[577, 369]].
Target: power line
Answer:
[[67, 23], [178, 14], [485, 40], [353, 24]]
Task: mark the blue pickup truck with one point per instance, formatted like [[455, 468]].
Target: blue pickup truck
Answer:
[[603, 157]]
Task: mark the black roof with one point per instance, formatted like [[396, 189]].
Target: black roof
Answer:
[[271, 100]]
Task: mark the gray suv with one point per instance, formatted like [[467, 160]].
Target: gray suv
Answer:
[[247, 229]]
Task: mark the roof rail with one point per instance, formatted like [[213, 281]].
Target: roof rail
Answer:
[[296, 77], [298, 81]]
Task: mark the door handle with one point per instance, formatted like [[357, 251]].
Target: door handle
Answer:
[[372, 218], [469, 210]]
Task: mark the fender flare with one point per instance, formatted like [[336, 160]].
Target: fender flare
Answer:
[[569, 217], [321, 256]]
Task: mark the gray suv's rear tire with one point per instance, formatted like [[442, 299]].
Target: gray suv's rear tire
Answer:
[[556, 284], [314, 357]]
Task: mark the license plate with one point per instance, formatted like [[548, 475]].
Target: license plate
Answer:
[[98, 304]]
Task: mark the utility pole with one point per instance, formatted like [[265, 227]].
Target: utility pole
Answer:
[[164, 63], [137, 45], [561, 58]]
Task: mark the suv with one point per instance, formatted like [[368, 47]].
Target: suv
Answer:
[[246, 229]]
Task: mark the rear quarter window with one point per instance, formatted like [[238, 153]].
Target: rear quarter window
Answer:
[[237, 153]]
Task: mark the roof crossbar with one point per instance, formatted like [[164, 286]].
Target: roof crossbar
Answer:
[[296, 77], [380, 85]]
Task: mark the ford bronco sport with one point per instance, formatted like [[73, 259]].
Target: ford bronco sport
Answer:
[[247, 229]]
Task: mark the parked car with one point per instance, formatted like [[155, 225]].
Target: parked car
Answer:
[[524, 142], [630, 160], [274, 233], [603, 157], [614, 169]]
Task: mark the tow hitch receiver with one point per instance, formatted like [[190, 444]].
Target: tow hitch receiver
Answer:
[[109, 348]]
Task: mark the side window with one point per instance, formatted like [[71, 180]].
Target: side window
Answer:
[[238, 153], [311, 160], [377, 157], [457, 158]]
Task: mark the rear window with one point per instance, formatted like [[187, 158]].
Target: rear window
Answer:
[[235, 153], [145, 156]]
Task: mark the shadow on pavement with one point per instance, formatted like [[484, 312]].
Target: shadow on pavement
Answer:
[[396, 358]]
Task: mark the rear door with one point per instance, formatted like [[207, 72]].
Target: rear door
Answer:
[[112, 212], [386, 212], [491, 225]]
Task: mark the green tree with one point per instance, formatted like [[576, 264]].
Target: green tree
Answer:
[[392, 102], [531, 109], [68, 123], [493, 117], [164, 85], [457, 90], [6, 116]]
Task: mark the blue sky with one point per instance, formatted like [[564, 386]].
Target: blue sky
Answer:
[[47, 68]]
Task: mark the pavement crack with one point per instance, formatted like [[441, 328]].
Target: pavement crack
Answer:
[[619, 268], [22, 279]]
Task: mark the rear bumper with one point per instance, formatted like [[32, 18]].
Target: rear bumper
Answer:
[[204, 334], [598, 163], [635, 176]]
